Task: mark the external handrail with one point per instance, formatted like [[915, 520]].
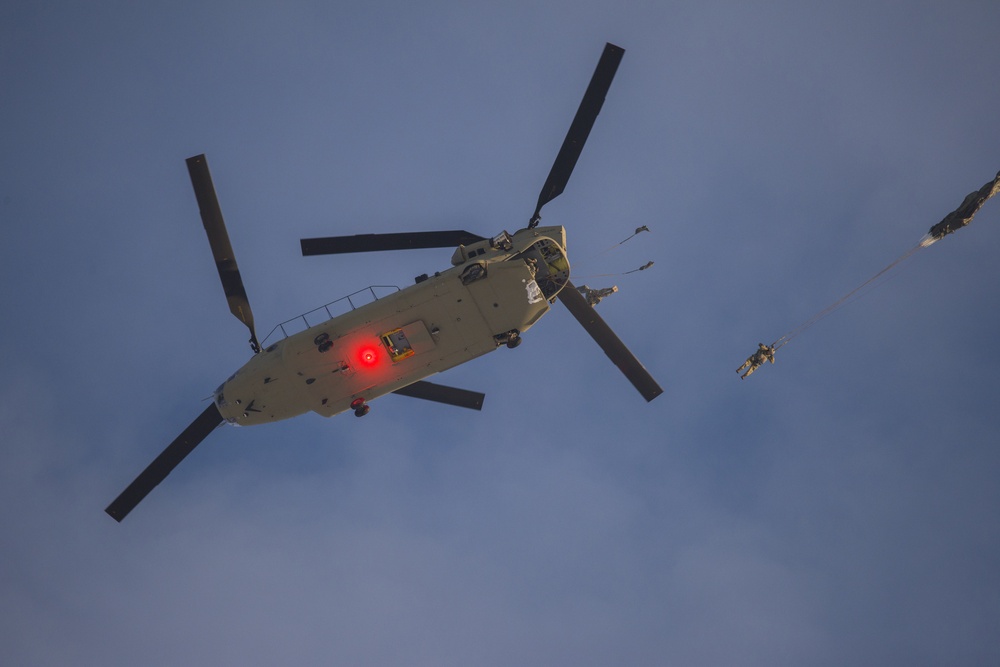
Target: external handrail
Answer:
[[301, 322]]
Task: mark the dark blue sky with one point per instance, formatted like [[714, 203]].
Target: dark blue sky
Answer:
[[836, 508]]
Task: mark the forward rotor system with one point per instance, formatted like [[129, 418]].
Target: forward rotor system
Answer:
[[562, 169]]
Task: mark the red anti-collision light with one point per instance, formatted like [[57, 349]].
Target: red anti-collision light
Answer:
[[368, 356]]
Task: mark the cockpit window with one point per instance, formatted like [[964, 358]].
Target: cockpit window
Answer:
[[550, 265]]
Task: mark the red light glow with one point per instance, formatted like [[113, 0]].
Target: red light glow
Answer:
[[368, 356]]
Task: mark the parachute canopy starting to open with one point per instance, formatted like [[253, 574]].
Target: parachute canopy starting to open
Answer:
[[963, 215], [952, 222]]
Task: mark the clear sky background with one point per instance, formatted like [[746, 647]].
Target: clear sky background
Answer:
[[839, 507]]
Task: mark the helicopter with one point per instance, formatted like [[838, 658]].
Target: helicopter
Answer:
[[496, 289]]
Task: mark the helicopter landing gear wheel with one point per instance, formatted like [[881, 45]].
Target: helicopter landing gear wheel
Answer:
[[514, 339], [360, 407], [473, 272]]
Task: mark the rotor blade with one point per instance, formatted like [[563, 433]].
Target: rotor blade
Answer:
[[609, 342], [161, 466], [222, 249], [334, 245], [590, 106], [429, 391]]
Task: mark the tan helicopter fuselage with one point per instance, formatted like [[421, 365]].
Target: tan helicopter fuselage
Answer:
[[496, 289]]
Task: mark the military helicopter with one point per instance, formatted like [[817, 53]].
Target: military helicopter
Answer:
[[496, 289]]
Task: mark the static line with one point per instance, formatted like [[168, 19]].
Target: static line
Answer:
[[844, 299]]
